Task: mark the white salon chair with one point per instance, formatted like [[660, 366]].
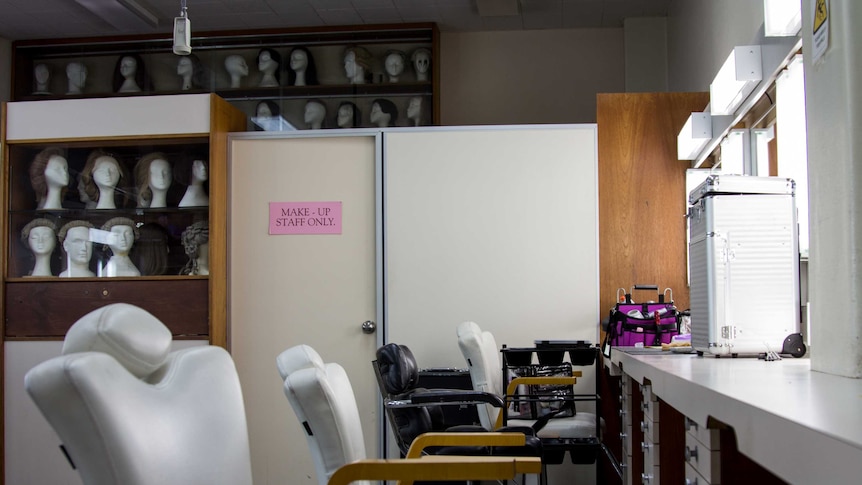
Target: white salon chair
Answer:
[[323, 401], [129, 411], [576, 434]]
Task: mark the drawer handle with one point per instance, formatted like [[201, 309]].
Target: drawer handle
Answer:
[[691, 481], [690, 453], [645, 405], [623, 412], [644, 426], [644, 446], [645, 478], [623, 436]]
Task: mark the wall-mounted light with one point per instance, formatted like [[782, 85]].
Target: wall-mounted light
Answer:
[[735, 155], [782, 18], [695, 134], [736, 79]]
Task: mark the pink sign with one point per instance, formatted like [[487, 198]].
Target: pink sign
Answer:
[[305, 217]]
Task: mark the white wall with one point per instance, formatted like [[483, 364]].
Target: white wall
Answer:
[[834, 106], [701, 34], [523, 77], [646, 54]]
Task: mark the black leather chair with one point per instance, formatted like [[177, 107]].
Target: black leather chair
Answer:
[[413, 410]]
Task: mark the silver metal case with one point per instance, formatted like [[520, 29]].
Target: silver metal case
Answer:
[[744, 264]]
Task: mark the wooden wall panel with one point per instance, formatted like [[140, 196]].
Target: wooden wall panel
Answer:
[[641, 192]]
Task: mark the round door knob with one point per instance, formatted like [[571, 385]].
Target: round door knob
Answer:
[[368, 326]]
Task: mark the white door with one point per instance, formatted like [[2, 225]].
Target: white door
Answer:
[[314, 289]]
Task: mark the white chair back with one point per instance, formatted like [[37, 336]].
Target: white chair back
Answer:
[[480, 350], [128, 411], [323, 401]]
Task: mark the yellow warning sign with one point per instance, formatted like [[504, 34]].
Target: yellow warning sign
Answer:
[[820, 14]]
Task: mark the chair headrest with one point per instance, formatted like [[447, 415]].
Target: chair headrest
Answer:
[[397, 368], [296, 358], [466, 329], [139, 341]]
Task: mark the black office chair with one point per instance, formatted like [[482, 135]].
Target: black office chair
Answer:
[[413, 410]]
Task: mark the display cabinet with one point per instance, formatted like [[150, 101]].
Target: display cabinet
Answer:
[[280, 79], [116, 199]]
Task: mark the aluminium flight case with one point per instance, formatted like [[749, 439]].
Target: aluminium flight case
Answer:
[[744, 266]]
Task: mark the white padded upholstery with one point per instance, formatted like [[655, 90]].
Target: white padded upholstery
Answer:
[[323, 401], [182, 422], [480, 350]]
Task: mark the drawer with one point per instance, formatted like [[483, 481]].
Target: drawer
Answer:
[[705, 461], [709, 438], [650, 409], [650, 429], [651, 454], [692, 477]]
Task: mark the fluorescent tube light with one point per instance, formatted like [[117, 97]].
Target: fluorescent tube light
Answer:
[[695, 134], [782, 18], [736, 79]]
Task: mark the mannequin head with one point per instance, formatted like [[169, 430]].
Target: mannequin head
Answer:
[[76, 73], [193, 172], [124, 233], [267, 109], [383, 113], [130, 74], [101, 174], [196, 245], [315, 113], [74, 236], [421, 59], [153, 177], [236, 66], [269, 63], [39, 227], [303, 71], [194, 74], [49, 172], [349, 115], [414, 110], [357, 64], [394, 64], [41, 78], [266, 116], [40, 235]]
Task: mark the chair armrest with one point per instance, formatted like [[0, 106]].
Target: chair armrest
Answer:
[[535, 381], [464, 439], [441, 468], [540, 381], [444, 397]]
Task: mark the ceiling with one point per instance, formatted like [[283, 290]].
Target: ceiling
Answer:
[[42, 19]]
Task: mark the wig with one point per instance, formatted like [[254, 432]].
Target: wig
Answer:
[[142, 177], [141, 77], [37, 173], [310, 68]]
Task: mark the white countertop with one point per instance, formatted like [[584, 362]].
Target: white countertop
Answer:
[[803, 426]]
